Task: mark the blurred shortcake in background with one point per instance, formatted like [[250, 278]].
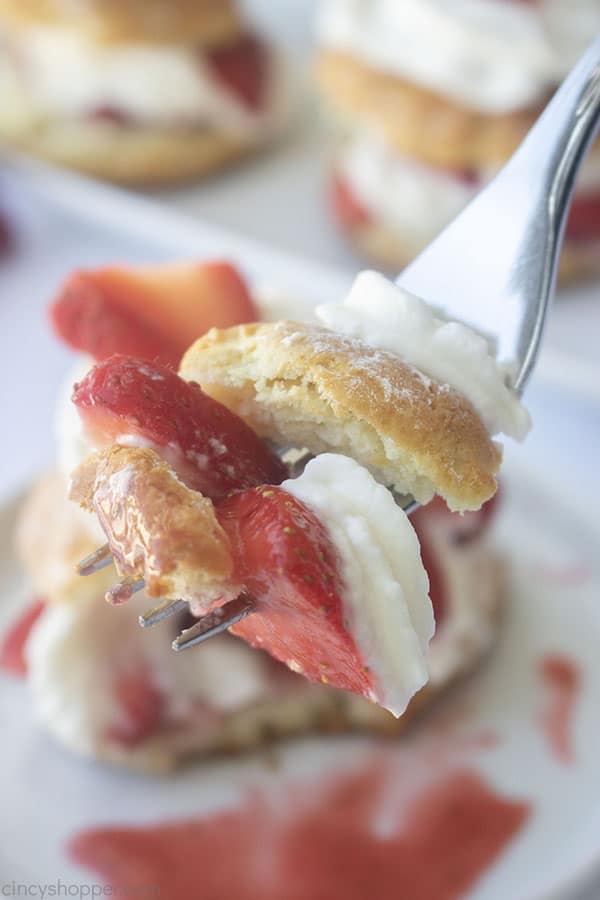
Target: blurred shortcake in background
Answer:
[[136, 91], [432, 98]]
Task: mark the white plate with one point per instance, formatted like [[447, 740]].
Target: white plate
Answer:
[[48, 794]]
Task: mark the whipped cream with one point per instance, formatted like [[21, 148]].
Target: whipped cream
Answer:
[[382, 314], [71, 76], [415, 200], [386, 599], [76, 651], [488, 55]]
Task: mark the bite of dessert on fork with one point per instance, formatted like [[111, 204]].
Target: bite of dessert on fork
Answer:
[[322, 570], [385, 392]]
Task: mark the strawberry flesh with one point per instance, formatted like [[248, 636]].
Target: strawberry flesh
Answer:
[[126, 400], [12, 645], [461, 529], [153, 312], [140, 705], [349, 211], [286, 559], [584, 219], [244, 69]]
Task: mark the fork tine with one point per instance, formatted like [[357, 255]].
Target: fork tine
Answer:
[[215, 622], [162, 611], [97, 560], [124, 590], [404, 501]]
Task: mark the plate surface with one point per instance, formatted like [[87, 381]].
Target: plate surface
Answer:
[[553, 608]]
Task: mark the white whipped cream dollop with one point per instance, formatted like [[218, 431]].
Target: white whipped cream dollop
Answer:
[[488, 55], [386, 599], [76, 651], [71, 76], [383, 315]]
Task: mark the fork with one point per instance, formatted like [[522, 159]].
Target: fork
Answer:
[[493, 268]]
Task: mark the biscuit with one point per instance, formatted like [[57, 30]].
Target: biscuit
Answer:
[[306, 386]]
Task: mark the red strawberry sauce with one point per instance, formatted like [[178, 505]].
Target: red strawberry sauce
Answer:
[[334, 837], [12, 643], [562, 680]]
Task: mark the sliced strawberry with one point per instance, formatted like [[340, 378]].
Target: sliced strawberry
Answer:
[[140, 707], [7, 236], [349, 211], [285, 557], [244, 68], [111, 115], [125, 400], [460, 528], [154, 312], [12, 646], [438, 589], [584, 218]]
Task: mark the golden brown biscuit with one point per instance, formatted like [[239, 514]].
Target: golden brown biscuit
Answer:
[[417, 122], [205, 23], [306, 386], [157, 528]]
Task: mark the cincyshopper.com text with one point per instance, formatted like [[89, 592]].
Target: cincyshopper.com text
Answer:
[[77, 890]]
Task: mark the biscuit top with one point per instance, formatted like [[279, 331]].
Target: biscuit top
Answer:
[[207, 23], [311, 387], [384, 315]]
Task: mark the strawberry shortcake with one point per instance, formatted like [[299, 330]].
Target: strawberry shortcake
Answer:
[[432, 98], [329, 591], [136, 92]]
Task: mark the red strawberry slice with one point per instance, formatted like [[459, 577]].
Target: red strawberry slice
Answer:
[[438, 588], [244, 69], [125, 400], [461, 529], [12, 646], [154, 312], [348, 210], [289, 565], [140, 707], [584, 218], [111, 115]]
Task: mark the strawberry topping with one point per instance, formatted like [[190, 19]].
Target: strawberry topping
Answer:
[[348, 210], [140, 706], [125, 400], [244, 69], [289, 565], [151, 312], [12, 646], [462, 528], [111, 115], [584, 218]]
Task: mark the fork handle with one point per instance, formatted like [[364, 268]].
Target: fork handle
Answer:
[[567, 128]]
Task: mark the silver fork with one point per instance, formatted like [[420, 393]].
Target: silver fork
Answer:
[[494, 268]]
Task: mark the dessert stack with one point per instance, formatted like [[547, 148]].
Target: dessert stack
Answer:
[[133, 91], [433, 98], [109, 689]]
